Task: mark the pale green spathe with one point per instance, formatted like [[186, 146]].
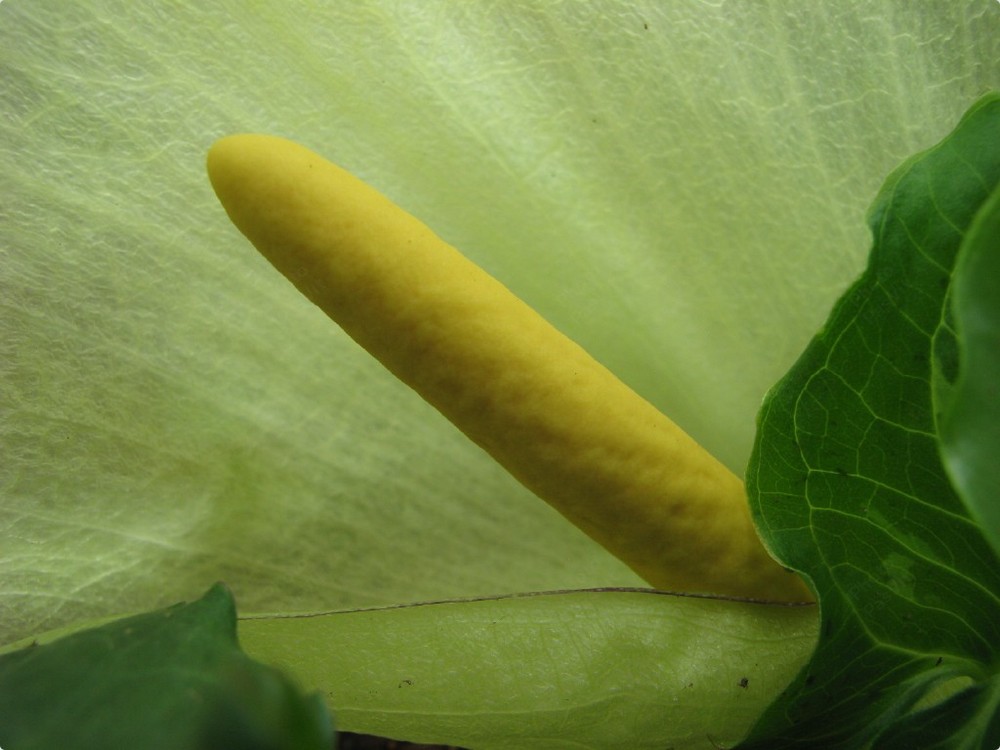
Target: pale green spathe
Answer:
[[173, 414]]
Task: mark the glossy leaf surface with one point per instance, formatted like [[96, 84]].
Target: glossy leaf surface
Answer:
[[160, 681], [970, 430], [848, 486]]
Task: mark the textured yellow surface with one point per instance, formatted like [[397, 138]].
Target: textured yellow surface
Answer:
[[559, 421]]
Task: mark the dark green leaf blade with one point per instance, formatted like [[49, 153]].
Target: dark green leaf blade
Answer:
[[965, 721], [970, 425], [168, 680], [846, 481]]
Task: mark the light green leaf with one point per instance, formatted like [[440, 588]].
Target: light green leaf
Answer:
[[848, 487], [970, 428], [633, 670], [160, 681]]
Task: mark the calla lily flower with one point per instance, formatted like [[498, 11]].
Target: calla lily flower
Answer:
[[679, 188]]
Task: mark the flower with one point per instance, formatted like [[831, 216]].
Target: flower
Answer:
[[681, 190]]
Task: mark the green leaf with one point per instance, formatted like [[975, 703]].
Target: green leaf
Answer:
[[967, 720], [848, 487], [169, 680], [970, 426], [609, 669]]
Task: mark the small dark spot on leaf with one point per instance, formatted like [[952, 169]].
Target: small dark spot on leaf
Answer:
[[744, 682], [938, 662], [405, 682]]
